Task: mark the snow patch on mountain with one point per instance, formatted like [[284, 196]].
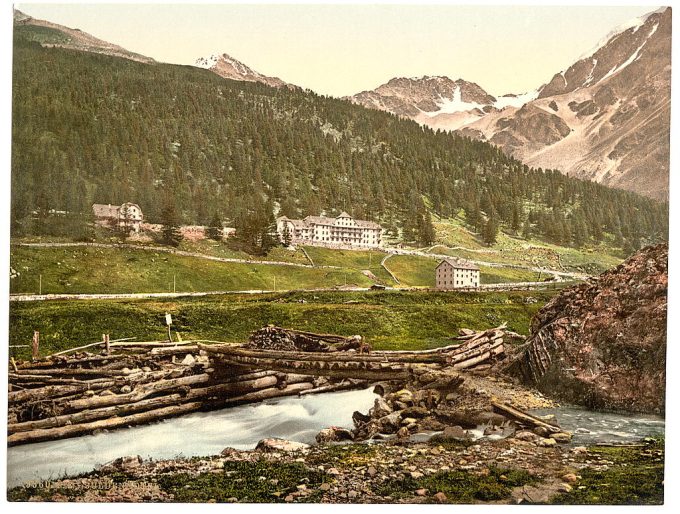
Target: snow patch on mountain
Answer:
[[207, 62], [634, 24], [632, 58], [454, 104], [515, 100]]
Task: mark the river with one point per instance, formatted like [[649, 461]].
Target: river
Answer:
[[198, 434], [592, 427], [295, 418]]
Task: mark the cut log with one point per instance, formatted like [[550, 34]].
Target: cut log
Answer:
[[523, 418], [87, 428], [98, 343], [138, 394], [174, 351], [225, 390], [342, 386], [47, 434], [53, 391], [72, 372], [94, 414], [266, 394], [406, 357]]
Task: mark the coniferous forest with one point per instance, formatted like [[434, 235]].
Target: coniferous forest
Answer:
[[90, 128]]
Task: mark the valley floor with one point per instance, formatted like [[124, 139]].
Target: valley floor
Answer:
[[389, 320], [507, 471]]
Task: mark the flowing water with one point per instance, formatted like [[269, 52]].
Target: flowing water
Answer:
[[198, 434], [295, 418], [591, 427]]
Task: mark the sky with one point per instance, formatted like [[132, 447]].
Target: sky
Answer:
[[341, 50]]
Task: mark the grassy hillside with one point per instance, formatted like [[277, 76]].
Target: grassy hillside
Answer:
[[418, 271], [122, 270], [452, 233], [388, 319], [355, 259], [91, 270]]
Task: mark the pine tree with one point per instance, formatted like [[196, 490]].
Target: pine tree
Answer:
[[215, 229], [426, 233], [516, 219], [170, 235], [286, 236], [490, 232], [123, 226]]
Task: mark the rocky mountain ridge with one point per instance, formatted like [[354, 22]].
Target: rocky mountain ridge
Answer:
[[605, 118], [50, 34]]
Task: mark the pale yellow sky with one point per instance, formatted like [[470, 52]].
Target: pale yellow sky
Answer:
[[343, 49]]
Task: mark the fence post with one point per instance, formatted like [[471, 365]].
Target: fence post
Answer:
[[36, 345]]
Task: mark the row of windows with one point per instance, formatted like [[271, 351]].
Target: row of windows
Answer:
[[456, 283]]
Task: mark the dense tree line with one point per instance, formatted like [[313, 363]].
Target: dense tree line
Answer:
[[89, 128]]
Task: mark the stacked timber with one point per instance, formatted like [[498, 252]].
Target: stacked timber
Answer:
[[129, 383], [479, 351], [277, 338], [64, 396]]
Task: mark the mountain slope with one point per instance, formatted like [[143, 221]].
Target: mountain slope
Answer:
[[606, 118], [229, 68], [51, 34], [616, 105], [437, 102], [93, 129]]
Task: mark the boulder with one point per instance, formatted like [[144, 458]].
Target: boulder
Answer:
[[380, 408], [403, 433], [359, 419], [455, 432], [390, 423], [415, 412], [440, 497], [570, 478], [403, 396], [279, 445], [541, 431], [188, 360], [124, 464], [334, 434], [526, 435], [562, 437], [614, 324]]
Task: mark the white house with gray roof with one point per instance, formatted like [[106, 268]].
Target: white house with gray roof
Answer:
[[342, 231], [128, 214], [456, 273]]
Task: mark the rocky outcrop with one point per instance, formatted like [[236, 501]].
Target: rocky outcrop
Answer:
[[602, 344]]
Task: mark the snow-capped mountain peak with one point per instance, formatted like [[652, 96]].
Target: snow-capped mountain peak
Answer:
[[604, 118], [226, 66]]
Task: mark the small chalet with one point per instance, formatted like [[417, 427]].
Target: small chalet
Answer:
[[456, 274], [118, 216]]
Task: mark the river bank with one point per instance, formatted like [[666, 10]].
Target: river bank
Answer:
[[506, 471]]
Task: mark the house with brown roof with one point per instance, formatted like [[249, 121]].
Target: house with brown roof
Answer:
[[342, 231], [118, 216], [455, 274]]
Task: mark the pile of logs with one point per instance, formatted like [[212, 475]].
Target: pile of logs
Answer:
[[480, 350], [283, 339], [62, 396], [129, 383]]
